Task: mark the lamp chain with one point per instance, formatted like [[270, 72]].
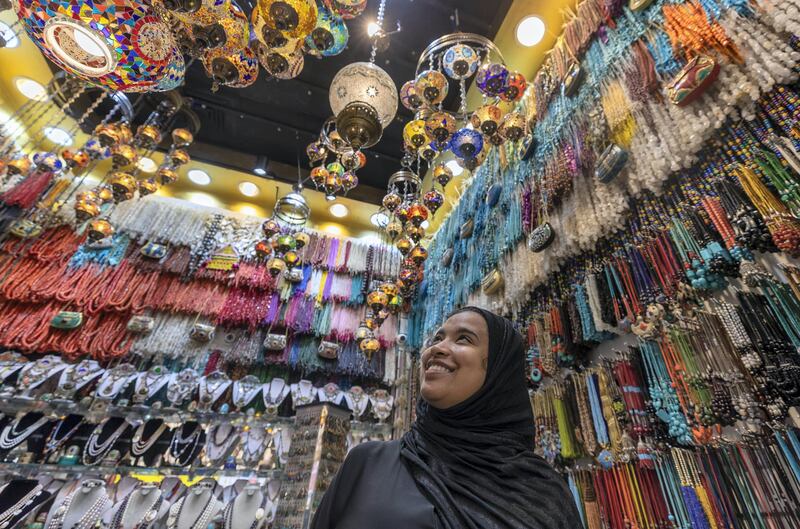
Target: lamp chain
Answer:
[[379, 22]]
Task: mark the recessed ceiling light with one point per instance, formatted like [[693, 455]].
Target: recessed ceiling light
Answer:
[[425, 225], [31, 89], [247, 209], [146, 164], [379, 219], [8, 35], [530, 31], [58, 136], [248, 189], [333, 229], [199, 177], [261, 165], [373, 29], [455, 168], [202, 199], [338, 210]]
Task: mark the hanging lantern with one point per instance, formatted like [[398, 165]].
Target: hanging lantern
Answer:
[[148, 136], [390, 289], [404, 245], [369, 347], [280, 64], [442, 174], [148, 187], [433, 86], [414, 134], [121, 46], [225, 36], [263, 249], [107, 134], [466, 143], [123, 155], [433, 200], [291, 258], [20, 165], [392, 201], [270, 227], [104, 193], [122, 185], [440, 125], [301, 239], [329, 37], [513, 127], [364, 99], [285, 243], [428, 152], [236, 70], [406, 287], [179, 157], [371, 323], [293, 209], [349, 180], [86, 206], [76, 159], [415, 233], [515, 87], [395, 305], [408, 276], [418, 255], [460, 61], [99, 229], [362, 333], [347, 9], [409, 96], [276, 266], [315, 151], [47, 161], [393, 230], [491, 79], [377, 300], [335, 168], [487, 119], [332, 184], [402, 212], [496, 139], [167, 175], [295, 18], [96, 151], [417, 214], [182, 138], [319, 175]]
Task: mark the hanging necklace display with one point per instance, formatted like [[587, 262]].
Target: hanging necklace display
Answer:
[[103, 438], [114, 381], [10, 363], [382, 403], [75, 378], [254, 444], [221, 441], [200, 499], [282, 440], [182, 386], [331, 393], [20, 496], [303, 393], [19, 430], [357, 401], [149, 383], [248, 506], [186, 443], [63, 431], [212, 388], [273, 491], [139, 509], [274, 394], [245, 391], [146, 436], [89, 502], [35, 374]]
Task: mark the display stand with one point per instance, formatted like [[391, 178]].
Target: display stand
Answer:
[[319, 445]]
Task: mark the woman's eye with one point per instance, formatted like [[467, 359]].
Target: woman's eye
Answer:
[[463, 338]]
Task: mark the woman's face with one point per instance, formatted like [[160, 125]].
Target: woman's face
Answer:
[[453, 367]]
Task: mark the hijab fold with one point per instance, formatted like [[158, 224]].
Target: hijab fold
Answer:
[[475, 462]]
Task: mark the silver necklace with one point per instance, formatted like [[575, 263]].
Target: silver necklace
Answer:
[[89, 518], [15, 510], [94, 450], [147, 518], [75, 377], [216, 451], [302, 394], [148, 384], [139, 448], [272, 398], [10, 437], [245, 390], [181, 446], [182, 386], [201, 521], [212, 387], [114, 380], [251, 457]]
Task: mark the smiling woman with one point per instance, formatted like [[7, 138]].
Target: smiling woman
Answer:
[[473, 437]]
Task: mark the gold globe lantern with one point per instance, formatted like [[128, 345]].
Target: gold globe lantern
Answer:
[[294, 18]]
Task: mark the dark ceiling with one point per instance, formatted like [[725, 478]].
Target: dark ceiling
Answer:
[[277, 119]]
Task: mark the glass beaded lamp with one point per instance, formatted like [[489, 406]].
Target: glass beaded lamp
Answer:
[[487, 119], [466, 143], [460, 61], [491, 79], [295, 18], [515, 87], [414, 134], [329, 37], [440, 125], [409, 96], [346, 9], [237, 70], [364, 99], [225, 35], [272, 38], [117, 44], [513, 127], [280, 65], [432, 85]]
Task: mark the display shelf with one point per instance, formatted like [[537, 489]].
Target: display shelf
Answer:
[[106, 470]]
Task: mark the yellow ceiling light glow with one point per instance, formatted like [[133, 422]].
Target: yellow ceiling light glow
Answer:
[[455, 168], [250, 210], [8, 35], [248, 189], [30, 88], [332, 229], [372, 29], [199, 177], [146, 164], [58, 136], [202, 199], [339, 210], [530, 31]]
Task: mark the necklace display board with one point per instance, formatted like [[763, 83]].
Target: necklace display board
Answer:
[[319, 446]]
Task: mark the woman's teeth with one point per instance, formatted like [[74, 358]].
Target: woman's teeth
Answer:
[[437, 369]]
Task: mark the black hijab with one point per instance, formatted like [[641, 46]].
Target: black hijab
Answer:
[[475, 462]]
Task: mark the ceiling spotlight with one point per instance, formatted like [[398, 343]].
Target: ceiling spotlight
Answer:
[[373, 29], [333, 229], [146, 165], [199, 177], [261, 165], [58, 136], [203, 199], [530, 31], [249, 189], [338, 210], [379, 219], [330, 198], [8, 39], [455, 168], [31, 89]]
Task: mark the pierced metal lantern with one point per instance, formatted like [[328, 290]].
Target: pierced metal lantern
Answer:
[[460, 61], [432, 85], [409, 96], [466, 143], [148, 187], [270, 227], [280, 64], [329, 37], [316, 151], [236, 71], [123, 155], [515, 87], [167, 175], [487, 119], [404, 245], [415, 135], [364, 99], [442, 174], [491, 79], [440, 125], [319, 175], [433, 200], [117, 44], [295, 18], [513, 127], [417, 214], [182, 138]]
